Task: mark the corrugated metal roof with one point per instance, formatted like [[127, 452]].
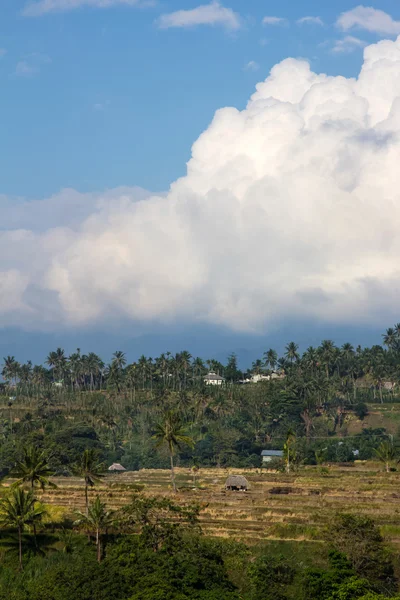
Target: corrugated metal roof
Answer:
[[272, 453]]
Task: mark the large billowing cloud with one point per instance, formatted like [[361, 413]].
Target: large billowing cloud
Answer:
[[290, 208]]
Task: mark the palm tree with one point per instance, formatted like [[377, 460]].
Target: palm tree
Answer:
[[57, 361], [288, 450], [271, 358], [310, 359], [185, 358], [115, 376], [19, 510], [119, 359], [75, 368], [291, 352], [172, 434], [98, 519], [10, 369], [91, 470], [327, 352], [143, 367], [33, 469], [386, 453], [390, 337], [39, 378], [257, 367]]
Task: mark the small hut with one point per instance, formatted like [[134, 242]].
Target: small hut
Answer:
[[116, 468], [236, 483]]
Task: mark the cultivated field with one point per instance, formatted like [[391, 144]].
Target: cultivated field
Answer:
[[277, 506]]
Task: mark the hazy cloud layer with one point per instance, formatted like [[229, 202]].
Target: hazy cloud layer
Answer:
[[274, 21], [40, 7], [252, 65], [207, 14], [370, 19], [310, 21], [348, 44], [289, 209]]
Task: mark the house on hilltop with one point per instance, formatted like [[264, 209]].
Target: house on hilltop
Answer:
[[213, 379]]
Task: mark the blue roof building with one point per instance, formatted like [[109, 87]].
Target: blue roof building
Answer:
[[268, 455]]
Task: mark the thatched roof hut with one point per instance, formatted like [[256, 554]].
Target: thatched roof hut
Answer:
[[116, 467], [236, 483]]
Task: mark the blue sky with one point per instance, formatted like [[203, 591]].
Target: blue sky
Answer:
[[113, 100], [103, 97]]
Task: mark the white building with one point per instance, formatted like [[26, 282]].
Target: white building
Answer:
[[213, 379], [260, 377]]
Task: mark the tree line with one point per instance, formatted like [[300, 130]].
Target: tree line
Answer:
[[88, 372]]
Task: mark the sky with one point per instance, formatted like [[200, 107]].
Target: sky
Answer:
[[151, 193]]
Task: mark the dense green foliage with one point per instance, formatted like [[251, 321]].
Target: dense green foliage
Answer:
[[78, 403], [153, 549]]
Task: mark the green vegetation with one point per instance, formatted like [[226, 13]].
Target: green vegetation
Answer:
[[309, 527]]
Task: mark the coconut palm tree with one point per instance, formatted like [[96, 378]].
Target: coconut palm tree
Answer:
[[115, 376], [291, 352], [91, 470], [171, 433], [390, 337], [33, 469], [327, 352], [271, 358], [19, 510], [10, 369], [98, 519], [57, 361], [387, 454], [119, 359], [310, 359]]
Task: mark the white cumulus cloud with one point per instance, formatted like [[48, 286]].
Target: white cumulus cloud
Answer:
[[370, 19], [37, 8], [289, 209], [207, 14]]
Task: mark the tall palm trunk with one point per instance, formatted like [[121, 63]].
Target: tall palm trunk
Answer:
[[171, 458], [20, 547], [98, 544], [86, 499]]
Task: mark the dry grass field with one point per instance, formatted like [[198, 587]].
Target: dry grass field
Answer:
[[277, 506]]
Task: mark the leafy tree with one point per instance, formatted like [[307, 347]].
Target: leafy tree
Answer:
[[361, 410], [269, 577], [19, 510], [360, 540], [160, 522], [232, 372]]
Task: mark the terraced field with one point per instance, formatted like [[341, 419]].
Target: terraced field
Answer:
[[276, 507]]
